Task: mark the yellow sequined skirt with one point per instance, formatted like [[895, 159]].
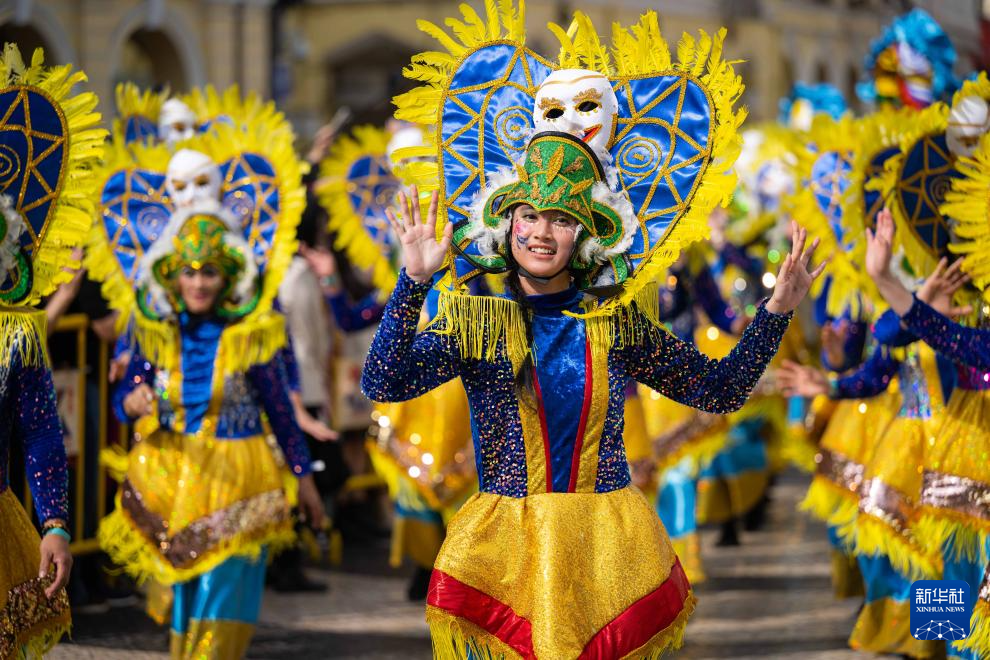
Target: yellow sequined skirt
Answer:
[[30, 623], [557, 575], [845, 450], [189, 502], [889, 500], [956, 480], [677, 431]]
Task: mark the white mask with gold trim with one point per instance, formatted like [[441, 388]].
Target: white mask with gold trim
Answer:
[[176, 122], [192, 178], [580, 102], [969, 120]]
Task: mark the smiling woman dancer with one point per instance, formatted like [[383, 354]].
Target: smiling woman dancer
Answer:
[[556, 556]]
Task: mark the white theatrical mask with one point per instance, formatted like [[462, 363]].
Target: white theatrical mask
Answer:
[[176, 122], [192, 178], [579, 102], [406, 136], [969, 120]]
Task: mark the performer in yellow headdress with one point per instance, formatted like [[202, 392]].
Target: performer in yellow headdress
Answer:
[[557, 556], [48, 147]]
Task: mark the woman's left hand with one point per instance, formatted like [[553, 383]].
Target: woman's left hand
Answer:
[[55, 554], [310, 504], [794, 279]]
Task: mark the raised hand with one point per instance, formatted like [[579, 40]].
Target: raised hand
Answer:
[[940, 286], [422, 254], [794, 279], [880, 246], [796, 380], [834, 336]]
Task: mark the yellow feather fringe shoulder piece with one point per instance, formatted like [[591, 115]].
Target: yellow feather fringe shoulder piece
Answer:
[[490, 328], [102, 265], [270, 135], [968, 204], [71, 214], [23, 332], [345, 221], [133, 102], [231, 106], [933, 120], [840, 136], [253, 340]]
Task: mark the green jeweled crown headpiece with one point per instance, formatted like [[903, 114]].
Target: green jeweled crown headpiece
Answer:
[[560, 173]]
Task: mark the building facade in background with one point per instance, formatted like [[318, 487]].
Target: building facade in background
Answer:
[[314, 56]]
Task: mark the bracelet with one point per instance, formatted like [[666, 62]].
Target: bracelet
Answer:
[[329, 281], [54, 522], [58, 531]]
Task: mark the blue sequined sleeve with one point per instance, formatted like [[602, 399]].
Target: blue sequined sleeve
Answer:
[[679, 371], [139, 371], [967, 346], [403, 364], [271, 382], [889, 331], [351, 318], [291, 366], [39, 431], [870, 379]]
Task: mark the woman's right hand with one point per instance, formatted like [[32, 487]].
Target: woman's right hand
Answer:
[[138, 402], [422, 254]]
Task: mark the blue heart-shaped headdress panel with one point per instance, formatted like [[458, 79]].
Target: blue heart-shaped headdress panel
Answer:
[[33, 158], [828, 182], [138, 128], [136, 208], [873, 199], [926, 176], [660, 150], [372, 188]]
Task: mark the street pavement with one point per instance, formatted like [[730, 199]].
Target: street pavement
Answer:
[[769, 598]]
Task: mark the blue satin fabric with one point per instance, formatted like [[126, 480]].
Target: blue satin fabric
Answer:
[[677, 501], [138, 128], [200, 342], [372, 189], [872, 199], [881, 580], [23, 168], [230, 592], [250, 191], [829, 181], [559, 343], [134, 215], [928, 167], [643, 155]]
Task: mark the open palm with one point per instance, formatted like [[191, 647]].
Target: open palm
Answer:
[[422, 254], [794, 278]]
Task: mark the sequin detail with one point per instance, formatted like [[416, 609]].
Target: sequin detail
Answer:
[[840, 470], [403, 364], [255, 515], [966, 496], [29, 612]]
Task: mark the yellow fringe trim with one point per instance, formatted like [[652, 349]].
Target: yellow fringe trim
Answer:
[[128, 547], [72, 210], [829, 502], [25, 335], [870, 536], [133, 102], [489, 328], [635, 51], [249, 109], [930, 121], [334, 196], [250, 341], [101, 263], [956, 535], [979, 630], [455, 638]]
